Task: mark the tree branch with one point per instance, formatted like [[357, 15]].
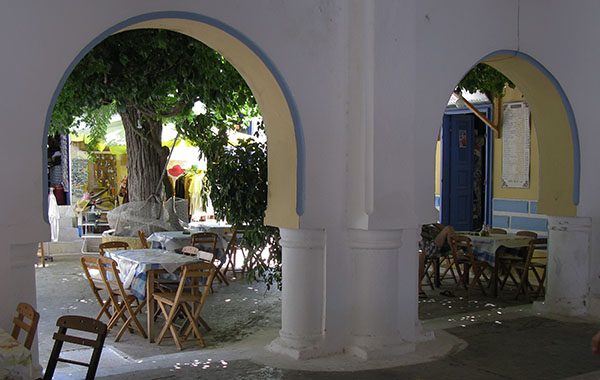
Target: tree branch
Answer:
[[176, 110]]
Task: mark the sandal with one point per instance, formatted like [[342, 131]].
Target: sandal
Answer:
[[447, 293], [423, 295]]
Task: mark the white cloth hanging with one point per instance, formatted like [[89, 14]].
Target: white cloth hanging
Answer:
[[53, 215]]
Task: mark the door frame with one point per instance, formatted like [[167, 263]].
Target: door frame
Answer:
[[487, 110]]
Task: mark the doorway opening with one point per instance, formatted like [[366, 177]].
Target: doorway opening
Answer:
[[466, 157]]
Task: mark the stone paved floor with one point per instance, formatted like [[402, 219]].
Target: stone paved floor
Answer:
[[477, 338]]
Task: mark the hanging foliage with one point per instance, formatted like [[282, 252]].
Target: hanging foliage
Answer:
[[486, 79]]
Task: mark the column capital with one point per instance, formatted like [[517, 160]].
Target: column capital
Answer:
[[302, 238]]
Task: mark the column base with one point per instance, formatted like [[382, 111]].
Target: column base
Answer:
[[570, 307], [373, 348], [298, 348]]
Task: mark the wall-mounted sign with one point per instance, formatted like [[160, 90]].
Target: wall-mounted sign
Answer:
[[516, 137]]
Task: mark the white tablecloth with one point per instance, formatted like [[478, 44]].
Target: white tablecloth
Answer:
[[485, 247], [134, 263]]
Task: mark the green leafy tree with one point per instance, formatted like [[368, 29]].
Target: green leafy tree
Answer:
[[237, 179], [149, 77], [486, 79]]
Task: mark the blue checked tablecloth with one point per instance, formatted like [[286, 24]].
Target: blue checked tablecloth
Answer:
[[485, 247], [135, 263], [172, 240]]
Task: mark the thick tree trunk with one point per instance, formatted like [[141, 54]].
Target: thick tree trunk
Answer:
[[145, 158]]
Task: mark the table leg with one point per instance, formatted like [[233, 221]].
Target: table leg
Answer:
[[436, 273], [495, 276], [150, 304]]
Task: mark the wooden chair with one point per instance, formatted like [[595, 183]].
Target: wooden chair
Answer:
[[429, 264], [91, 270], [508, 257], [207, 241], [467, 262], [196, 280], [536, 263], [112, 282], [530, 234], [25, 310], [143, 239], [81, 324], [233, 239], [446, 262], [112, 246], [497, 231]]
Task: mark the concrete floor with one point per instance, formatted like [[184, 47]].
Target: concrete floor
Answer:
[[477, 338]]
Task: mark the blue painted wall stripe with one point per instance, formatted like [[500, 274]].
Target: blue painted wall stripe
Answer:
[[533, 207], [500, 221], [524, 223], [511, 205]]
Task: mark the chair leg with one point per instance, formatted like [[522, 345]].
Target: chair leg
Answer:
[[132, 318], [169, 326], [193, 317], [105, 308]]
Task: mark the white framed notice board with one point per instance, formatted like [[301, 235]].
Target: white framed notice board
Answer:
[[516, 138]]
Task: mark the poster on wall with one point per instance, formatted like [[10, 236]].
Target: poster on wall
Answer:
[[516, 137]]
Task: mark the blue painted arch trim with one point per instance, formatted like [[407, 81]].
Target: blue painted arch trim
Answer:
[[300, 147], [568, 110]]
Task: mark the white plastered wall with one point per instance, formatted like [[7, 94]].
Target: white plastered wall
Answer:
[[370, 80]]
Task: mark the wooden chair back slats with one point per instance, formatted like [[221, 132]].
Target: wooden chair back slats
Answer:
[[531, 234], [77, 323], [25, 312], [205, 241], [112, 246], [143, 239], [91, 270]]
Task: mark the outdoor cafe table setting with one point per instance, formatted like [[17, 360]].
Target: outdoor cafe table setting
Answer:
[[485, 248], [174, 240], [138, 268], [15, 359]]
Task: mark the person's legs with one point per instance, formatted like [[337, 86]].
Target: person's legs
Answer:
[[441, 238]]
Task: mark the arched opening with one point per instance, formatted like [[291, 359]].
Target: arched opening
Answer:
[[553, 188], [556, 130], [553, 184], [284, 134]]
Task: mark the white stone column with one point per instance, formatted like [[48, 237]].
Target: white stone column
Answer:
[[302, 331], [384, 316], [568, 266]]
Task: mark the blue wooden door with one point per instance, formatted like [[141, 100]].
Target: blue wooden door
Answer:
[[457, 171]]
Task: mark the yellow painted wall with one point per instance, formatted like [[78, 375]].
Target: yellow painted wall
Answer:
[[555, 153], [532, 193]]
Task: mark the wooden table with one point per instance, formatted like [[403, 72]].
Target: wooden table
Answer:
[[138, 268], [486, 247], [15, 359]]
